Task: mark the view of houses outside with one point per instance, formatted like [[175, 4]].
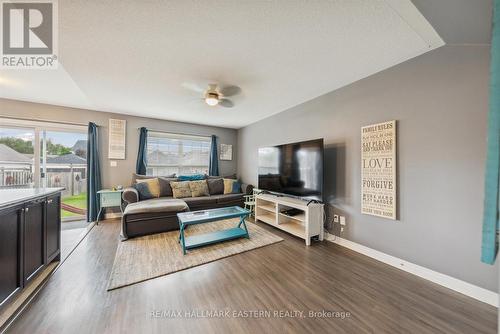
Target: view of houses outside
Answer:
[[167, 156], [64, 164]]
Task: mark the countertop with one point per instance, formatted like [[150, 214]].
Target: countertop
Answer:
[[14, 196]]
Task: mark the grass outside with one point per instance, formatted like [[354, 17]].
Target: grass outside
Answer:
[[79, 201]]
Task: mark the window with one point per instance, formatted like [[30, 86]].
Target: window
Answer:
[[170, 153]]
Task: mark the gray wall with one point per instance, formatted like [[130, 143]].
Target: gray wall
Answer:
[[440, 101], [121, 174]]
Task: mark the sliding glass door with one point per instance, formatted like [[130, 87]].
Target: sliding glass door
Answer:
[[46, 154], [63, 163]]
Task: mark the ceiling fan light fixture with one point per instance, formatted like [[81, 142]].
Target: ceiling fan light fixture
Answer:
[[212, 99]]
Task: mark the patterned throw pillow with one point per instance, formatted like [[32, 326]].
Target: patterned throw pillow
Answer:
[[148, 188], [231, 186], [198, 188], [181, 189]]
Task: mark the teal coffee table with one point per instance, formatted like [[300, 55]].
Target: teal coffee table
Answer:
[[207, 216]]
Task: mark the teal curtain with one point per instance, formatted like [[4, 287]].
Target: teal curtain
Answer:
[[140, 167], [93, 173], [491, 196], [213, 165]]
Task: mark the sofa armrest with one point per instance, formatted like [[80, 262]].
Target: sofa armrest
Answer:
[[130, 195], [246, 189]]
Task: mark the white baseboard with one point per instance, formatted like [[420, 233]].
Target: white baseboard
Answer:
[[449, 282]]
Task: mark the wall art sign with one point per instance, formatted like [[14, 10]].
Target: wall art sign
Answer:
[[226, 152], [117, 132], [378, 170]]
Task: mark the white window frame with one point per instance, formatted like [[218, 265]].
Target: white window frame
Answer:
[[178, 136]]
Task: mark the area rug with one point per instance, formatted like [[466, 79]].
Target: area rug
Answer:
[[148, 257]]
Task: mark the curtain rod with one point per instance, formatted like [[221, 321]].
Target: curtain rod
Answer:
[[175, 133], [43, 120]]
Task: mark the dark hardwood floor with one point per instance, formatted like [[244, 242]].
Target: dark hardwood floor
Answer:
[[287, 276]]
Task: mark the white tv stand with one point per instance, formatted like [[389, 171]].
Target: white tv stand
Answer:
[[305, 225]]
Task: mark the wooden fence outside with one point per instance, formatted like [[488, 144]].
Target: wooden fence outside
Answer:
[[20, 178], [73, 182]]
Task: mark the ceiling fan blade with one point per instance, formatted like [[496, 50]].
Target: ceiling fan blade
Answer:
[[226, 103], [230, 90], [193, 87]]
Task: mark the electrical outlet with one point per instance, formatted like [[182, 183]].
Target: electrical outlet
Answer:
[[335, 218], [341, 229], [113, 163], [342, 220]]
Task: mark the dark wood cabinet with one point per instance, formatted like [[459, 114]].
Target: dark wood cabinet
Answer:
[[53, 223], [34, 235], [10, 251], [30, 239]]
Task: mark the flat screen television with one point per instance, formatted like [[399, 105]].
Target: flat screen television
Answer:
[[294, 169]]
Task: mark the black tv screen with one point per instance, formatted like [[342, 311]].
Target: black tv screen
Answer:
[[294, 169]]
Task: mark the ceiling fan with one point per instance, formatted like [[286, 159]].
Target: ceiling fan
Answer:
[[215, 95]]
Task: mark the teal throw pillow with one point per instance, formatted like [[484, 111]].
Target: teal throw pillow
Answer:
[[193, 177]]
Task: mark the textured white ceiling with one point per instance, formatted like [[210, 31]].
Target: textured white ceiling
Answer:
[[459, 21], [133, 57]]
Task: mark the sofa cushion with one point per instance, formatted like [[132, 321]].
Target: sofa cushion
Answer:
[[136, 177], [228, 186], [236, 187], [199, 188], [165, 188], [215, 186], [231, 186], [181, 189], [198, 201], [156, 205], [232, 176], [227, 198], [148, 189]]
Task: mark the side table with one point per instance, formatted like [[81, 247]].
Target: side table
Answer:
[[109, 198]]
